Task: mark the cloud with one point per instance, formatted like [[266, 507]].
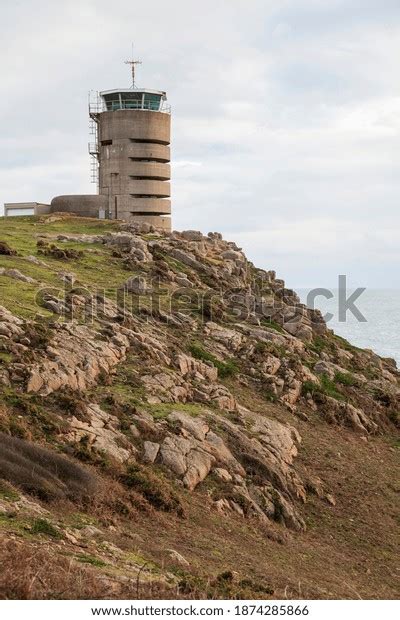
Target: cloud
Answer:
[[285, 118]]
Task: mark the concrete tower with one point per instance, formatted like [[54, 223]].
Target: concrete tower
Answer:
[[133, 138]]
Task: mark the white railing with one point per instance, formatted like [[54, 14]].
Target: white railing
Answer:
[[98, 105], [93, 148]]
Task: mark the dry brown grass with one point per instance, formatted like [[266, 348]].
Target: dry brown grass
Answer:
[[34, 572], [30, 572], [41, 573]]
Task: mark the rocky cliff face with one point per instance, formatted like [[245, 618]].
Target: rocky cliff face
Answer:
[[176, 355]]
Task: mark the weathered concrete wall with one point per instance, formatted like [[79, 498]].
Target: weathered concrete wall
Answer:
[[42, 209], [85, 205], [160, 222], [127, 204], [136, 125], [146, 187], [151, 169], [155, 152], [134, 170]]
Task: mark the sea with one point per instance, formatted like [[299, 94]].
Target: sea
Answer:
[[381, 329]]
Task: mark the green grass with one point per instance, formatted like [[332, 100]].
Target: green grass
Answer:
[[97, 272], [345, 378], [175, 264], [345, 344], [329, 388], [269, 395], [79, 520], [90, 559], [5, 357], [154, 487], [160, 411], [7, 492], [225, 369], [20, 298], [318, 345], [11, 522], [326, 386], [272, 325], [42, 526], [74, 225]]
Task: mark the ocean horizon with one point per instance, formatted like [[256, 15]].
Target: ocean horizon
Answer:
[[380, 330]]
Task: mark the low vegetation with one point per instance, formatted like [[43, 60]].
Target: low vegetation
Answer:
[[326, 386], [130, 464], [43, 526], [43, 472], [225, 369], [345, 378], [154, 487]]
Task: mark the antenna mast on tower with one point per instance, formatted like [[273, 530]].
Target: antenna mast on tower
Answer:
[[133, 63]]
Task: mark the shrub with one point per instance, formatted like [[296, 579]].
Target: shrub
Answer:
[[269, 394], [225, 369], [385, 398], [154, 488], [28, 416], [39, 334], [5, 249], [42, 526], [260, 347], [28, 572], [272, 348], [43, 472], [310, 387], [223, 586]]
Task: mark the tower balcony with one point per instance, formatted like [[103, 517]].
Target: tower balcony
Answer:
[[148, 188], [150, 170]]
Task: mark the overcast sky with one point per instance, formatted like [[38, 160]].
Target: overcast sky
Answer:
[[286, 118]]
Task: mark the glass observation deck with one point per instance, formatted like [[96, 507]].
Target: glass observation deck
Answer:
[[134, 99]]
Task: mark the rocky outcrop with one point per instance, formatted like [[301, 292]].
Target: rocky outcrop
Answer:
[[101, 431], [75, 358], [16, 274], [252, 460], [11, 327], [172, 387], [131, 245], [6, 250], [346, 414], [211, 327], [190, 367]]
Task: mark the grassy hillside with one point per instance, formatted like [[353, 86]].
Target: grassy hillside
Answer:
[[175, 424]]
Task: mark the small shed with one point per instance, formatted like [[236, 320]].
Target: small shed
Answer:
[[12, 209]]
